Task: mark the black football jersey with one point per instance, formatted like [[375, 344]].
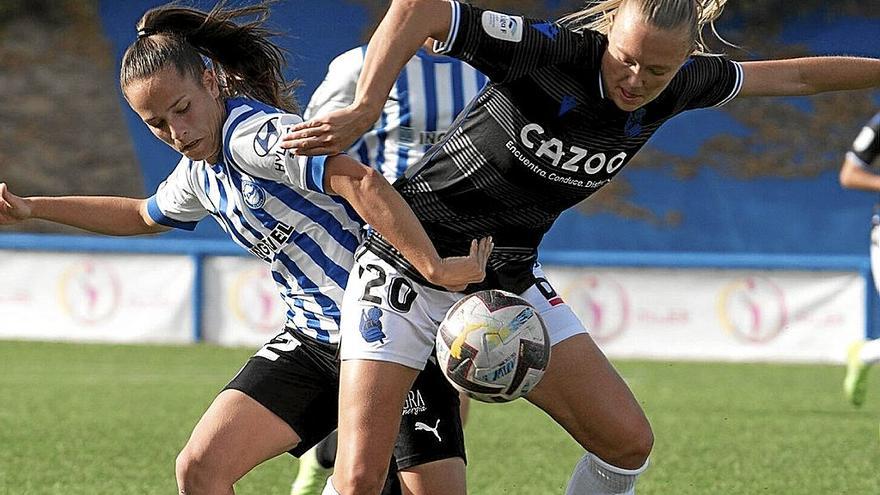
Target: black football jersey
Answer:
[[540, 138], [866, 147]]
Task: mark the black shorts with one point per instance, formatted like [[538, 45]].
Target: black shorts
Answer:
[[297, 378], [430, 427]]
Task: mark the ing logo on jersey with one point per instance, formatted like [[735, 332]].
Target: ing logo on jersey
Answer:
[[267, 137], [254, 195], [371, 325]]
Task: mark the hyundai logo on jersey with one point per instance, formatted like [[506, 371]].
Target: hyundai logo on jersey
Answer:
[[371, 325], [266, 137], [254, 195]]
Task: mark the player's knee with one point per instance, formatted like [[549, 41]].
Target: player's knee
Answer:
[[633, 452], [195, 473], [360, 479]]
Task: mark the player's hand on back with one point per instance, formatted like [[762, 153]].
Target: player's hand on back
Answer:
[[328, 134], [13, 209], [457, 272]]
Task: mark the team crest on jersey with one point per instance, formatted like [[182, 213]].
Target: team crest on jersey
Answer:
[[267, 137], [634, 123], [371, 325], [502, 26], [254, 195]]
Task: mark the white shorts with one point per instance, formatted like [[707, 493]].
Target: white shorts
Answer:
[[388, 317]]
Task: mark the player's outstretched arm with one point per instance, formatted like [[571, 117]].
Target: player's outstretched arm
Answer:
[[809, 75], [107, 215], [13, 209], [382, 207], [405, 27]]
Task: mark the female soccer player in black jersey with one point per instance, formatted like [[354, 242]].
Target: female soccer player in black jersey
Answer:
[[569, 104]]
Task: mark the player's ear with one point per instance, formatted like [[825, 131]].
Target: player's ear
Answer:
[[209, 81]]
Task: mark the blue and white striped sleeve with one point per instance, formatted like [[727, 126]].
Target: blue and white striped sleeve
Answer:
[[254, 147], [176, 203]]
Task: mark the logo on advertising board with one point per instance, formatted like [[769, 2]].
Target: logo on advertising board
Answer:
[[753, 309], [89, 291], [255, 301], [602, 304]]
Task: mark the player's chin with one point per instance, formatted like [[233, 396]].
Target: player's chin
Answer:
[[627, 106]]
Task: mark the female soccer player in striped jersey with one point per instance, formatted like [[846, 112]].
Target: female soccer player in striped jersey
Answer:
[[428, 94], [298, 214], [859, 171], [567, 107]]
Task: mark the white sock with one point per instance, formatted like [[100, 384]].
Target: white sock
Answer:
[[328, 488], [870, 352], [593, 476]]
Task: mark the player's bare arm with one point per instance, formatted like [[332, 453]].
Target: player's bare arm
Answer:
[[370, 194], [854, 176], [405, 27], [13, 209], [809, 75], [107, 215]]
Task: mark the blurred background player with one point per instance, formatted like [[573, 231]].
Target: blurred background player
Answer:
[[859, 172], [429, 93]]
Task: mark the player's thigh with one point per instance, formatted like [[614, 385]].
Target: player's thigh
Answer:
[[369, 420], [583, 392], [297, 379], [234, 435], [446, 476], [430, 450], [388, 317]]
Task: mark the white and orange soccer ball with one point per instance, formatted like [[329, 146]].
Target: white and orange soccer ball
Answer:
[[493, 346]]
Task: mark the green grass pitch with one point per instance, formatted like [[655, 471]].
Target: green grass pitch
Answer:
[[96, 419]]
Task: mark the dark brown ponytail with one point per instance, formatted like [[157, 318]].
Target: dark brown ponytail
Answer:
[[247, 63]]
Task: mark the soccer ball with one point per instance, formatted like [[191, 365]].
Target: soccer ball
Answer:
[[493, 346]]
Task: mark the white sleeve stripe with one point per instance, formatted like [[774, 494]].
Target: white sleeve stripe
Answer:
[[736, 87], [445, 46], [851, 156], [233, 116]]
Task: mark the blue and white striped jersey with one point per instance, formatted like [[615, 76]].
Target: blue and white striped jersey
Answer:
[[272, 204], [430, 92]]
